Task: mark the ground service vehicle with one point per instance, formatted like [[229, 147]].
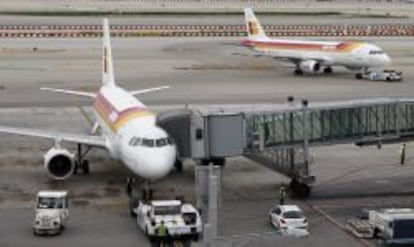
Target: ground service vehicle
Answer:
[[381, 75], [393, 225], [51, 213], [287, 216], [181, 219]]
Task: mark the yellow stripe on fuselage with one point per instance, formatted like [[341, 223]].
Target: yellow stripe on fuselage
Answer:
[[123, 119], [283, 46], [133, 115]]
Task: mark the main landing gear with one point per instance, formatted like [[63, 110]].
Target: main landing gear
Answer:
[[80, 162], [298, 71], [327, 70]]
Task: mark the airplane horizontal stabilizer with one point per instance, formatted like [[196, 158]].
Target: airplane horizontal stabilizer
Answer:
[[77, 93], [143, 91]]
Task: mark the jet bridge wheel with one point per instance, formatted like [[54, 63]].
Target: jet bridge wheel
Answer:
[[301, 190], [217, 161]]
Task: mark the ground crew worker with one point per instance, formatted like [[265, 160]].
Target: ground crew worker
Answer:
[[129, 183], [402, 154], [162, 235], [282, 194]]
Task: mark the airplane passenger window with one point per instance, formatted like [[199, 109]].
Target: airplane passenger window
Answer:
[[161, 142], [147, 142]]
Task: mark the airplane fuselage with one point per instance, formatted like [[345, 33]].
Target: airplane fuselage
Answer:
[[132, 134], [348, 54]]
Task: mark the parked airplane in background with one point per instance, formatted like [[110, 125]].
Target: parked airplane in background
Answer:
[[128, 130], [314, 56]]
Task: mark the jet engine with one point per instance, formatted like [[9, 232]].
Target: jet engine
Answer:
[[310, 66], [59, 163]]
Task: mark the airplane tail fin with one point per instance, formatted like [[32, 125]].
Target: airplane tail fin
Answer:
[[254, 29], [107, 64]]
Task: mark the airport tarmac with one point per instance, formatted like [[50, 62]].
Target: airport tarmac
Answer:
[[200, 71]]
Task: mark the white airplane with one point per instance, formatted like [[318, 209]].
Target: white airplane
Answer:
[[314, 56], [128, 130]]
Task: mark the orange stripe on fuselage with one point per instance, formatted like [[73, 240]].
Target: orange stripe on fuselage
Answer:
[[107, 111], [280, 45]]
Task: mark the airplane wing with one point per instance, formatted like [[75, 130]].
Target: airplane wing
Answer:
[[96, 141]]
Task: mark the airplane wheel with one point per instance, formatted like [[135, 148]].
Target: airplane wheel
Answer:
[[205, 162], [75, 170], [85, 167], [327, 70], [178, 165], [219, 161], [358, 76], [298, 72]]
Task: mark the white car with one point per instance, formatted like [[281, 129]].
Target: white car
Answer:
[[284, 217]]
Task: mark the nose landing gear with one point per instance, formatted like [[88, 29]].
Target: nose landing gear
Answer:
[[147, 191]]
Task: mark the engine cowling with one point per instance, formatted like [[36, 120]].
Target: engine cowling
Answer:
[[310, 66], [59, 163]]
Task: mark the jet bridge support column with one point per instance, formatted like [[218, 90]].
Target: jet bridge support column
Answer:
[[298, 185], [208, 182]]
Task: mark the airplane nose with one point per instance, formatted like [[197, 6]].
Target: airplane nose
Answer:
[[157, 164], [386, 59], [160, 166]]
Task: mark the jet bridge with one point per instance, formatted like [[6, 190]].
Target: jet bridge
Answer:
[[279, 136]]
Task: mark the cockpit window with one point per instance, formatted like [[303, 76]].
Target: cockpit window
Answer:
[[161, 142], [374, 52], [170, 140], [131, 142], [137, 141], [147, 142]]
